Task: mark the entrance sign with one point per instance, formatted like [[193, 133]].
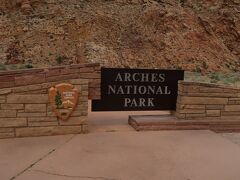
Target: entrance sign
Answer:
[[63, 98], [138, 89]]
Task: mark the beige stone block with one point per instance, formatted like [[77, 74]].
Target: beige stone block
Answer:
[[3, 97], [203, 100], [85, 88], [194, 106], [87, 70], [213, 113], [41, 91], [51, 114], [31, 114], [232, 108], [5, 91], [61, 77], [191, 88], [8, 113], [84, 113], [229, 90], [42, 119], [234, 99], [231, 102], [7, 135], [180, 89], [42, 98], [12, 106], [30, 79], [2, 101], [27, 88], [211, 90], [180, 116], [74, 121], [192, 111], [51, 84], [46, 131], [85, 128], [216, 107], [84, 93], [82, 98], [79, 111], [69, 71], [13, 122], [42, 124], [228, 117], [195, 115], [6, 130], [35, 108], [90, 75], [78, 87], [79, 82], [227, 95], [81, 108], [230, 113], [83, 104]]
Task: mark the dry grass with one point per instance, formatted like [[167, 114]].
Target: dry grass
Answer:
[[231, 79]]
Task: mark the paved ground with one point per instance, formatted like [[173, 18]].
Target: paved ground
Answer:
[[168, 155], [113, 151]]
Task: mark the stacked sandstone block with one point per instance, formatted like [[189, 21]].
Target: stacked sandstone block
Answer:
[[200, 106], [26, 111], [208, 101], [91, 72]]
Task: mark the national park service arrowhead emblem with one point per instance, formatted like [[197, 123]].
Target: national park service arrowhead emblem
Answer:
[[63, 98]]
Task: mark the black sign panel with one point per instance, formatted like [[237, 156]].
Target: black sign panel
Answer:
[[138, 89]]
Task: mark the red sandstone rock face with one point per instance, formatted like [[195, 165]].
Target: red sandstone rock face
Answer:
[[188, 34]]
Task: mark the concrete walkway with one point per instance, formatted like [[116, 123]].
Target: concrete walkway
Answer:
[[128, 155]]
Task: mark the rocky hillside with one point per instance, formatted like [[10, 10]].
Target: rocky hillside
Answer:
[[199, 35]]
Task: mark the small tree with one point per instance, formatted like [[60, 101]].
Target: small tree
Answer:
[[58, 99]]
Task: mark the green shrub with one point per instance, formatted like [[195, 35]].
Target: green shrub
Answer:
[[205, 66], [198, 69], [29, 66], [178, 67], [60, 59], [2, 67], [182, 2], [13, 67]]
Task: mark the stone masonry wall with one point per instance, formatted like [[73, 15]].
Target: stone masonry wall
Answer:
[[26, 110], [202, 101], [91, 72]]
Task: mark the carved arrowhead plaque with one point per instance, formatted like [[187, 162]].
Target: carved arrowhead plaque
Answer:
[[63, 98]]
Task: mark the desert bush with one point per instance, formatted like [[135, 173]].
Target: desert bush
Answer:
[[2, 67], [29, 66], [60, 59]]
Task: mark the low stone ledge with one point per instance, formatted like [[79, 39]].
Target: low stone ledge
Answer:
[[156, 123]]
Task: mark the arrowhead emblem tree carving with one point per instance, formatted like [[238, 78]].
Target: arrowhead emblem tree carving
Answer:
[[63, 98]]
